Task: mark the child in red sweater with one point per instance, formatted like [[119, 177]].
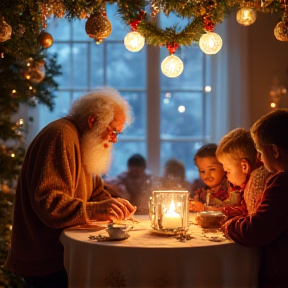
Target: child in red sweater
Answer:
[[267, 227]]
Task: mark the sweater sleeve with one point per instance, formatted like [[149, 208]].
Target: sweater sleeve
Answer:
[[270, 219], [52, 174]]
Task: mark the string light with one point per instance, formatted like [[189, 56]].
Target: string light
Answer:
[[172, 66], [134, 41], [210, 43], [246, 16], [181, 109], [207, 88]]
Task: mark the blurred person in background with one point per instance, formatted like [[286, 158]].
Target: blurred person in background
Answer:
[[134, 184]]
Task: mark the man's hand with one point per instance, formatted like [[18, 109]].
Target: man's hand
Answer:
[[113, 209]]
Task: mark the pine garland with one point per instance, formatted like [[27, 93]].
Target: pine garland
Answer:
[[27, 20]]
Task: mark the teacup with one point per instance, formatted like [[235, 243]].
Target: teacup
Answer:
[[118, 231]]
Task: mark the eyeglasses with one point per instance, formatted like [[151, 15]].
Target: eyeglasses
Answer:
[[116, 133]]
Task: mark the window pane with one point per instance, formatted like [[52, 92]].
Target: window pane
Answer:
[[60, 110], [207, 113], [119, 27], [80, 75], [78, 94], [175, 121], [137, 101], [97, 65], [121, 152], [78, 29], [59, 28], [125, 69], [63, 58], [184, 152]]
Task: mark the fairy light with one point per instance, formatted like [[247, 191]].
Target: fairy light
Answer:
[[181, 109], [207, 89], [172, 66], [210, 43], [246, 16], [134, 41]]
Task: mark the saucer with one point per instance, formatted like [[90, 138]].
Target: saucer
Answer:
[[101, 238], [117, 239]]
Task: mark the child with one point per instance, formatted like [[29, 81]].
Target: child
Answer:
[[133, 184], [237, 153], [218, 192], [268, 226], [174, 176]]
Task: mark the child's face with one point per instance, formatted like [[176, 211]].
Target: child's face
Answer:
[[266, 155], [236, 172], [210, 171]]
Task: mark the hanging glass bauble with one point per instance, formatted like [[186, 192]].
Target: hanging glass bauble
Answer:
[[172, 66], [45, 39], [281, 31], [134, 41], [246, 16], [5, 30], [210, 43], [98, 26]]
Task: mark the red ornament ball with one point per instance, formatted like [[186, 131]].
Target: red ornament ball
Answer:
[[45, 39]]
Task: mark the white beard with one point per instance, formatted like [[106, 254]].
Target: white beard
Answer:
[[96, 159]]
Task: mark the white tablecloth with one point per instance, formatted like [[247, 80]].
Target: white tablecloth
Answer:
[[149, 260]]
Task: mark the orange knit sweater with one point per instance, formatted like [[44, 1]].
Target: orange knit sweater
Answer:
[[53, 193]]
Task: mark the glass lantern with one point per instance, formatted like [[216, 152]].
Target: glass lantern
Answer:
[[168, 211]]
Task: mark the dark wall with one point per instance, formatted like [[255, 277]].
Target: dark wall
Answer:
[[267, 57]]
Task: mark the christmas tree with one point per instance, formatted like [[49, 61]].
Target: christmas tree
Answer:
[[21, 82], [27, 73]]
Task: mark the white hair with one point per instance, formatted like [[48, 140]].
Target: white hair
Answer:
[[101, 103]]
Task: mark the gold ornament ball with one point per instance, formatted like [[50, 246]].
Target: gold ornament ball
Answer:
[[281, 31], [45, 39], [5, 30], [98, 26]]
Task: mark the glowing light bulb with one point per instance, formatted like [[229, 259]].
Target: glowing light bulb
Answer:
[[134, 41], [246, 16], [273, 105], [207, 88], [281, 31], [181, 109], [172, 66], [210, 43]]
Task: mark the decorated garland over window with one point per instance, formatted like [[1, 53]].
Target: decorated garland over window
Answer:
[[23, 22]]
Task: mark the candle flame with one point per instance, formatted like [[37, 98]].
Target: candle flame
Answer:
[[172, 206]]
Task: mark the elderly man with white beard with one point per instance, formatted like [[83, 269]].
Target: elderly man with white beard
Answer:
[[60, 185]]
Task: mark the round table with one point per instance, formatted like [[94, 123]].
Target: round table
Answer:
[[149, 260]]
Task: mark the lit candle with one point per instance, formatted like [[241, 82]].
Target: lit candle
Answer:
[[171, 219]]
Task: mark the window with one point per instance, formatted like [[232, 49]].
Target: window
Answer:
[[172, 115]]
